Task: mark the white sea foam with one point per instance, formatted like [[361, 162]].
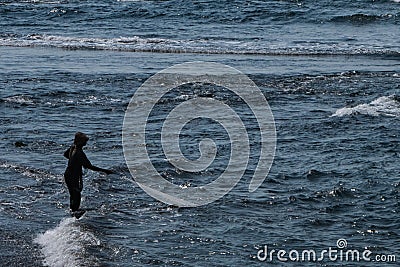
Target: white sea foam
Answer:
[[64, 245], [19, 99], [383, 106], [201, 45], [121, 43]]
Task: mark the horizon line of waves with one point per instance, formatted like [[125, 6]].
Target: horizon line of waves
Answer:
[[201, 46], [382, 106], [91, 99], [65, 245]]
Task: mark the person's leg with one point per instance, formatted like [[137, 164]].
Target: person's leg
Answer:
[[74, 198], [77, 199]]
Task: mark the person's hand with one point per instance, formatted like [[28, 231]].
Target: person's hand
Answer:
[[108, 171]]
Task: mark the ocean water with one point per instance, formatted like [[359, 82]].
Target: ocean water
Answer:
[[330, 71]]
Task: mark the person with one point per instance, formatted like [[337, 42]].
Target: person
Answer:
[[73, 174]]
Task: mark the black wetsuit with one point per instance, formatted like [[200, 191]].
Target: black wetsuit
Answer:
[[73, 174]]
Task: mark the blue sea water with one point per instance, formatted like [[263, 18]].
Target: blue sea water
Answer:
[[330, 71]]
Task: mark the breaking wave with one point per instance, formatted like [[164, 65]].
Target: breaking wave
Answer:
[[64, 246], [383, 106], [197, 46]]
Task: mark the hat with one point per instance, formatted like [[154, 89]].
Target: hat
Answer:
[[80, 139]]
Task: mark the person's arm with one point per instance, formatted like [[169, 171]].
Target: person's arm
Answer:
[[66, 153], [98, 169], [88, 165]]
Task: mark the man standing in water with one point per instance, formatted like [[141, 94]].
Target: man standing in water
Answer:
[[73, 174]]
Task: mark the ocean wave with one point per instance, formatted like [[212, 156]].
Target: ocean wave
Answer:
[[336, 192], [31, 172], [32, 2], [363, 18], [65, 245], [55, 100], [383, 106], [19, 99], [196, 46]]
